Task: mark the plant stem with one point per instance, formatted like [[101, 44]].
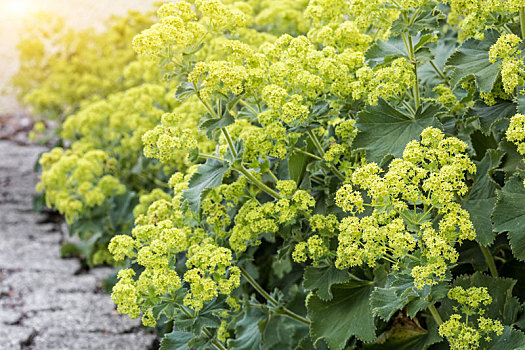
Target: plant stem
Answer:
[[215, 342], [211, 156], [417, 99], [320, 149], [230, 141], [522, 22], [285, 311], [273, 176], [435, 314], [257, 182], [438, 71], [245, 104], [307, 153], [206, 332], [490, 261], [224, 130]]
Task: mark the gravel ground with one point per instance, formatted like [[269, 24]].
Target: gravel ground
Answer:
[[45, 302]]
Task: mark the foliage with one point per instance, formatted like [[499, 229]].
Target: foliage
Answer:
[[341, 174]]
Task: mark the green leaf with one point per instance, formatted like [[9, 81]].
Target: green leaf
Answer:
[[442, 51], [426, 19], [247, 332], [307, 344], [509, 215], [184, 91], [279, 332], [322, 278], [513, 161], [385, 302], [482, 197], [471, 59], [176, 340], [386, 51], [347, 314], [399, 291], [511, 339], [490, 115], [211, 124], [209, 175], [383, 130], [206, 317]]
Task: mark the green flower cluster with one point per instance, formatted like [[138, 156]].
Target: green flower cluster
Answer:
[[466, 334], [474, 17], [61, 68], [516, 132], [159, 236], [506, 49], [76, 181], [414, 207]]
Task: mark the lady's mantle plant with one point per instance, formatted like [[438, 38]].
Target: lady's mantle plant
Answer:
[[355, 180]]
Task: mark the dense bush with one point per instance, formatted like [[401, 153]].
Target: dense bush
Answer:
[[341, 175]]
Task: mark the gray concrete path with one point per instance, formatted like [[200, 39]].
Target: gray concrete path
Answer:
[[45, 304]]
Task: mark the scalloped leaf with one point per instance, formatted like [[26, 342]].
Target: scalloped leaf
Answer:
[[247, 331], [511, 339], [322, 278], [482, 197], [399, 291], [471, 59], [385, 302], [425, 20], [489, 116], [208, 176], [184, 91], [509, 215], [176, 340], [384, 131], [347, 314], [386, 51]]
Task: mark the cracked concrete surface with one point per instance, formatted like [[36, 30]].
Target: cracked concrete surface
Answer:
[[44, 303]]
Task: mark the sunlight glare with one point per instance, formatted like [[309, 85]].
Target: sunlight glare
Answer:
[[16, 9]]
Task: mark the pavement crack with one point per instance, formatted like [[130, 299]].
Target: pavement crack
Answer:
[[29, 341]]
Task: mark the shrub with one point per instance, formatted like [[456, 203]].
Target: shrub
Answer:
[[349, 184]]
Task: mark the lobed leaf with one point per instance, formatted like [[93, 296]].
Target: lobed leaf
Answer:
[[384, 130]]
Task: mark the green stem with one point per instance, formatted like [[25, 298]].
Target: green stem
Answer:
[[245, 104], [273, 176], [307, 153], [438, 71], [435, 314], [285, 311], [257, 182], [210, 156], [316, 178], [206, 332], [490, 261], [522, 22], [230, 141], [320, 149], [224, 130], [417, 99], [316, 142]]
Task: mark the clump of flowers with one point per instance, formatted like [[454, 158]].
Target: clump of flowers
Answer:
[[465, 331], [75, 182], [506, 49], [421, 186], [516, 132]]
